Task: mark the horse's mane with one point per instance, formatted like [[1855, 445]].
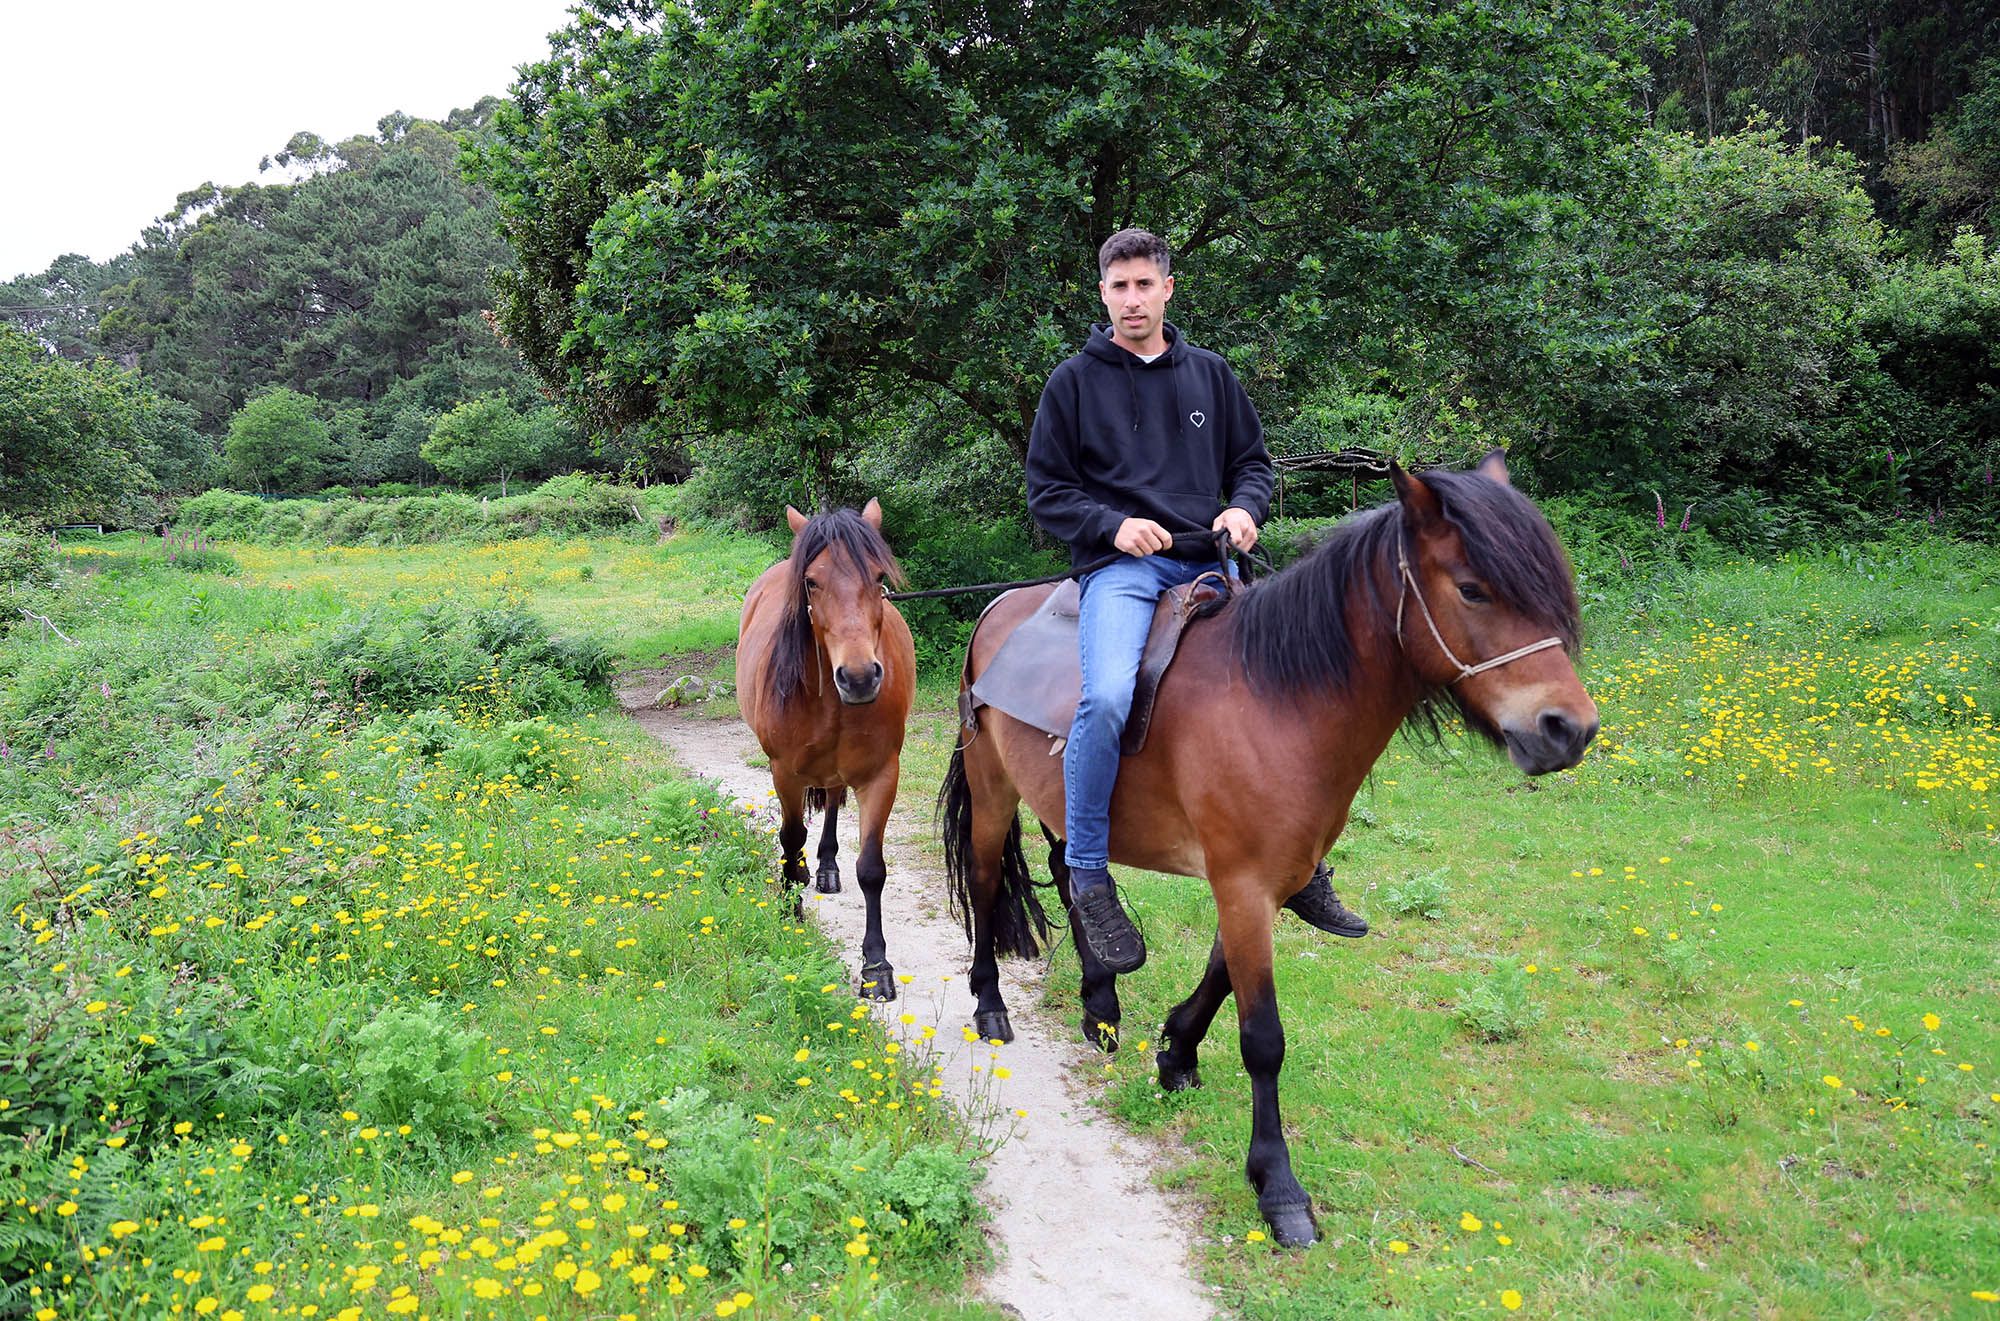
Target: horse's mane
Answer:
[[848, 535], [1291, 633]]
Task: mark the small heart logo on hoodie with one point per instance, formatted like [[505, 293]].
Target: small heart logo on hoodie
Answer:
[[1197, 417]]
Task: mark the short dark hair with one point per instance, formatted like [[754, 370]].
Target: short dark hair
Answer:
[[1128, 243]]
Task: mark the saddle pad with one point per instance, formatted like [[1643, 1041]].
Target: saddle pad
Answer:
[[1037, 678]]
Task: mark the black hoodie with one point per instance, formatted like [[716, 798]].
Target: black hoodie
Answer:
[[1173, 440]]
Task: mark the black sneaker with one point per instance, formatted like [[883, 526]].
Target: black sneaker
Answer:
[[1320, 907], [1109, 933]]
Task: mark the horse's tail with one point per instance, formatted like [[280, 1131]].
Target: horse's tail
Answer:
[[817, 798], [1019, 925]]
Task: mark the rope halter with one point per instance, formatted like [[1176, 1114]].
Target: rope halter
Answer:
[[1407, 587]]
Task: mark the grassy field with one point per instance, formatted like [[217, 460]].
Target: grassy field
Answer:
[[1704, 1028], [1707, 1027], [463, 1005]]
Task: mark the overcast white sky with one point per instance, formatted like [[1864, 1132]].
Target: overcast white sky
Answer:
[[111, 108]]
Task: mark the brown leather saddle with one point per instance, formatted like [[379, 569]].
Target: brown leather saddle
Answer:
[[1037, 678]]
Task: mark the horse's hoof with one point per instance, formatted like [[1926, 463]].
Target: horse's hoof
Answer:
[[993, 1026], [1173, 1078], [1292, 1225], [1102, 1035], [828, 880], [878, 982]]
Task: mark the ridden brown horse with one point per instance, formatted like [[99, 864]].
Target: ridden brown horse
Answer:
[[1271, 717], [824, 673]]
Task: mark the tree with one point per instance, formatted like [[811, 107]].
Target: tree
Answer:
[[278, 442], [59, 306], [481, 440], [76, 441], [369, 273], [796, 221]]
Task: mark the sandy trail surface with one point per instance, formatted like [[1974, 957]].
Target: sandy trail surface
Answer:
[[1080, 1229]]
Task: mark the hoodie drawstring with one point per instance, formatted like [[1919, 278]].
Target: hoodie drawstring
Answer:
[[1173, 374], [1132, 387]]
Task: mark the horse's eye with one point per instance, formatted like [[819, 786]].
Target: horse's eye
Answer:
[[811, 586], [1471, 594]]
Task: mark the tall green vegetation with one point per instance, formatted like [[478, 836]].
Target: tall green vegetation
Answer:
[[88, 441], [360, 285], [793, 225], [277, 442], [844, 244], [481, 440]]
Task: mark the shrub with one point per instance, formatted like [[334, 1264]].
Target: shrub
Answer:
[[1422, 895], [412, 1065], [26, 557], [223, 515], [205, 560], [404, 659], [1500, 1007]]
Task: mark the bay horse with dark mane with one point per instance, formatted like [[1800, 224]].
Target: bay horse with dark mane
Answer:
[[825, 670], [1271, 716]]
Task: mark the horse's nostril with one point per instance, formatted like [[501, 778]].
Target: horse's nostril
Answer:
[[1557, 728], [859, 680]]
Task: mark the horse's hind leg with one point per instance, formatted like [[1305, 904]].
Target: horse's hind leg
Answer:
[[878, 978], [1188, 1024], [827, 879], [979, 807], [1100, 984]]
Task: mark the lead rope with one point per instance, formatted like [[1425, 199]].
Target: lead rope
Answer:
[[1408, 587]]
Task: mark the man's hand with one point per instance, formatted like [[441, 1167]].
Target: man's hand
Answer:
[[1142, 536], [1242, 528]]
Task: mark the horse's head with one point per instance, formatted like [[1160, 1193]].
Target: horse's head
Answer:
[[841, 569], [1488, 613]]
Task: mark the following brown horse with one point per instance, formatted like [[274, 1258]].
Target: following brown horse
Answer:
[[825, 669], [1264, 728]]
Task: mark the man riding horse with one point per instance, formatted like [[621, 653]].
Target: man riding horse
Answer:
[[1139, 437]]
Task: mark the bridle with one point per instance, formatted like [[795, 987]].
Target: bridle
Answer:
[[1407, 587]]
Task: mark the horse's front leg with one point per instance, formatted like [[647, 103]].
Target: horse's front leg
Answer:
[[1187, 1026], [878, 796], [827, 879], [1247, 912], [1100, 984], [791, 834]]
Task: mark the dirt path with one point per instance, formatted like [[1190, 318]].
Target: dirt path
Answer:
[[1081, 1232]]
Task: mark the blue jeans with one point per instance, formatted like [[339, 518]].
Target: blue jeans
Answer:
[[1114, 616]]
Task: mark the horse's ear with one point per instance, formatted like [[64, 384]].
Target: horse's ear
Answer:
[[796, 519], [1494, 466], [1420, 503], [871, 513]]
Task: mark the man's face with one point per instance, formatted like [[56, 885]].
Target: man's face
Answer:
[[1135, 298]]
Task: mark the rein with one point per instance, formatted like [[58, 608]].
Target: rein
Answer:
[[1219, 539], [1407, 587]]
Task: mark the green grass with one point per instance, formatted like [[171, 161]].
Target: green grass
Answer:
[[466, 1009], [1640, 1159], [1810, 836]]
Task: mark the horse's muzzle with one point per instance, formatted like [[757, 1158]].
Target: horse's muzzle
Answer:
[[1555, 742], [858, 687]]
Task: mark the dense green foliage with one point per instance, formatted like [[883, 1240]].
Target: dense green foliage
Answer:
[[277, 440], [561, 505], [88, 441], [796, 224], [481, 440], [865, 234], [360, 284]]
